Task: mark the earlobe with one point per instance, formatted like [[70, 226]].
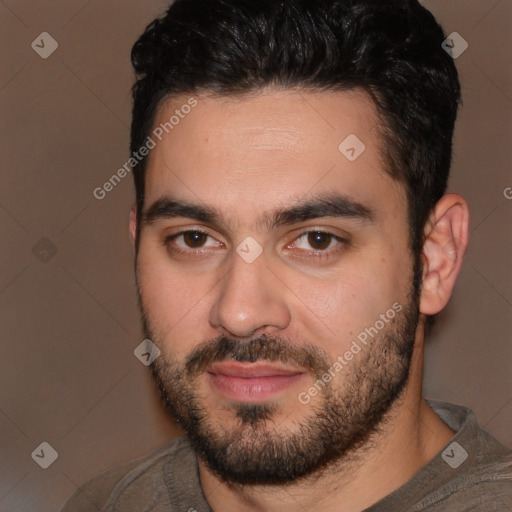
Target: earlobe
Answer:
[[133, 223], [446, 240]]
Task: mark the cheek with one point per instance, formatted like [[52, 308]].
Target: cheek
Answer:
[[337, 309], [341, 308], [173, 301]]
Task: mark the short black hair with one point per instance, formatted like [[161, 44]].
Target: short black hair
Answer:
[[389, 48]]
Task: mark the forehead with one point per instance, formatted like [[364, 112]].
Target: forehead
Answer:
[[244, 155]]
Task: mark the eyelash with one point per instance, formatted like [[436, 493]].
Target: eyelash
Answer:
[[320, 254]]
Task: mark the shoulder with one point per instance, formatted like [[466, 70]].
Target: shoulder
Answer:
[[477, 468], [472, 473], [144, 475]]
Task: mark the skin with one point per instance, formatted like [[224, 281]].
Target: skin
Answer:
[[244, 157]]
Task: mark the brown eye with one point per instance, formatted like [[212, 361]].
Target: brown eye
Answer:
[[319, 245], [194, 239], [319, 240], [191, 243]]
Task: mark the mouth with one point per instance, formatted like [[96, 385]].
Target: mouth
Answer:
[[252, 382]]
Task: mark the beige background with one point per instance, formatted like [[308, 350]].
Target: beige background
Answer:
[[69, 325]]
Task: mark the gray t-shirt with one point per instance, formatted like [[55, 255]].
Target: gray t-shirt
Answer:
[[473, 473]]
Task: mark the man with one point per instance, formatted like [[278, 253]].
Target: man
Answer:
[[293, 241]]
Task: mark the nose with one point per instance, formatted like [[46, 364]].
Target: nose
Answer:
[[250, 298]]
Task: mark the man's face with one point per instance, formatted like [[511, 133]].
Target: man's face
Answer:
[[304, 264]]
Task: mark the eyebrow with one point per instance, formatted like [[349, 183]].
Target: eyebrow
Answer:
[[329, 205]]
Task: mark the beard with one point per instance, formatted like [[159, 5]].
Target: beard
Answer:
[[253, 448]]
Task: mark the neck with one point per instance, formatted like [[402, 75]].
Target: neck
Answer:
[[409, 437]]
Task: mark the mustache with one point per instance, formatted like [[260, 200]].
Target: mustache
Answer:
[[265, 347]]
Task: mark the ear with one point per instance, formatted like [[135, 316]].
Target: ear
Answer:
[[133, 223], [446, 241]]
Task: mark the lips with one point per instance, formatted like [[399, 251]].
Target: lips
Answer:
[[252, 382], [251, 370]]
